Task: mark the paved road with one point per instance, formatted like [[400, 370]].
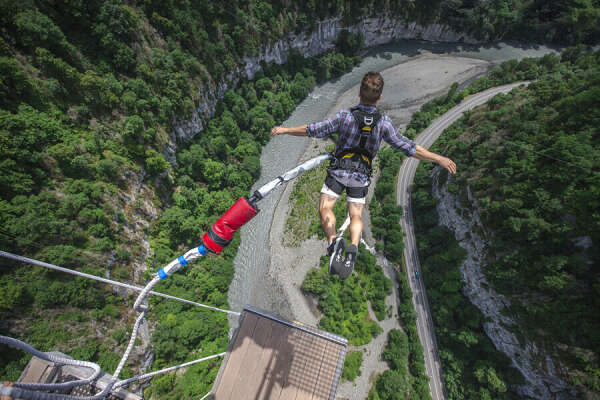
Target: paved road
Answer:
[[405, 178]]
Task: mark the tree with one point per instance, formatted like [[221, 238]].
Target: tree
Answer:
[[15, 85], [36, 29], [155, 162], [213, 173], [352, 365], [349, 43], [263, 85], [392, 385], [230, 128], [299, 88], [396, 352], [251, 164], [116, 27]]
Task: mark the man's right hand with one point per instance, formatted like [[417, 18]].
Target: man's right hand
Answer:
[[448, 164], [278, 130]]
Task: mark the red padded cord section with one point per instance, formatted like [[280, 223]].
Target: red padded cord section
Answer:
[[210, 245], [240, 213]]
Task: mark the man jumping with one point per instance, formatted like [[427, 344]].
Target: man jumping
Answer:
[[360, 131]]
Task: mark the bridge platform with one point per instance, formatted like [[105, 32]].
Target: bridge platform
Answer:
[[270, 358]]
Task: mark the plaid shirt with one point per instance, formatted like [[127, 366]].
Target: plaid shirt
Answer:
[[349, 136]]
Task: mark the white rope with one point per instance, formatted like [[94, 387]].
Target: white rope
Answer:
[[143, 309], [12, 392], [345, 226], [108, 281], [172, 267], [126, 382], [190, 255], [292, 174], [142, 296], [32, 390], [136, 327], [205, 396], [17, 344]]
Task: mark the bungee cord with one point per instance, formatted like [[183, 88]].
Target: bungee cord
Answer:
[[134, 332], [17, 344]]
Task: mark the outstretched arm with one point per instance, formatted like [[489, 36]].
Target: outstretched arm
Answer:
[[296, 130], [423, 154]]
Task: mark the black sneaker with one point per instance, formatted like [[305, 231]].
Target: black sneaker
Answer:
[[348, 266], [331, 248], [337, 254]]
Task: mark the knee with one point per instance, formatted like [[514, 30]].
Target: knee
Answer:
[[355, 213], [355, 217], [326, 205], [324, 209]]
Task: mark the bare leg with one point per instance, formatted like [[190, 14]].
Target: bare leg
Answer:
[[326, 204], [355, 211]]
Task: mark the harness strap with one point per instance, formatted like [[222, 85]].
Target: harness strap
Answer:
[[358, 158], [366, 122], [350, 155]]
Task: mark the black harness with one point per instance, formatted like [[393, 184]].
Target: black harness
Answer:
[[358, 159]]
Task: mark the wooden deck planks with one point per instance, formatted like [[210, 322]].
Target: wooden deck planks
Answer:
[[256, 347], [281, 370], [236, 357], [268, 369], [301, 343]]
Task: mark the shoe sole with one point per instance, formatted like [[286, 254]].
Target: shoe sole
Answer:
[[341, 243], [345, 272]]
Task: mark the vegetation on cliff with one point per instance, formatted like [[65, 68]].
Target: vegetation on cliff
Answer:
[[530, 159], [472, 368], [558, 21]]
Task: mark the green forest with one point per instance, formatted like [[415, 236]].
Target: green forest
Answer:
[[531, 161], [471, 366], [90, 92], [562, 21]]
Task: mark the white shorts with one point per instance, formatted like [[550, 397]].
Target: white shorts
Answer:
[[326, 190]]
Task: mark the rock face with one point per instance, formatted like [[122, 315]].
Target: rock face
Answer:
[[538, 369], [195, 123], [376, 30]]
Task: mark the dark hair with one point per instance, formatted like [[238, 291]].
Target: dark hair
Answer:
[[371, 87]]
